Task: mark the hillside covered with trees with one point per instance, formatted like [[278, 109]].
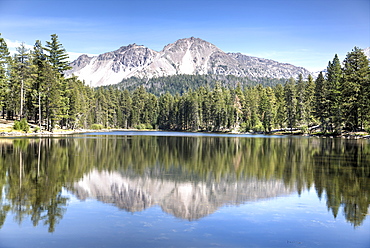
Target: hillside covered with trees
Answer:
[[33, 86]]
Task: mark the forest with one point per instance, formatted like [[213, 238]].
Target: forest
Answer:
[[33, 88]]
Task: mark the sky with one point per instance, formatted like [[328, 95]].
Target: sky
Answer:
[[306, 33]]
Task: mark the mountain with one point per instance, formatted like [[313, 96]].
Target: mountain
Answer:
[[191, 56]]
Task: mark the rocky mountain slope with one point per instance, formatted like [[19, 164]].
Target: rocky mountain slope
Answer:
[[192, 56]]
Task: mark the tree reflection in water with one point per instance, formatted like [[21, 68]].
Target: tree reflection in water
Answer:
[[214, 170]]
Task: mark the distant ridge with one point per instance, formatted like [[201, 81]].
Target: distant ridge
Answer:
[[191, 56]]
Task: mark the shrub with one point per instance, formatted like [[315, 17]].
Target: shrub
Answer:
[[141, 126], [258, 128], [304, 129], [243, 127], [17, 125], [21, 125], [367, 129], [96, 127], [24, 125], [148, 126]]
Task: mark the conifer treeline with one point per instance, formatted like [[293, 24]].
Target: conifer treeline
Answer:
[[33, 86]]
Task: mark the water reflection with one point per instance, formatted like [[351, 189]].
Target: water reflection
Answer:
[[183, 199], [189, 177]]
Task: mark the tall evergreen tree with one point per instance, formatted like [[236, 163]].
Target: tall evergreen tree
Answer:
[[321, 105], [290, 103], [355, 89], [252, 119], [218, 108], [57, 54], [267, 108], [150, 114], [4, 67], [280, 105], [42, 74], [310, 101], [22, 66], [301, 101], [126, 109], [238, 105], [334, 80], [139, 97], [205, 97]]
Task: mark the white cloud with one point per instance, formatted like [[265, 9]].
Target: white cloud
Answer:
[[13, 45]]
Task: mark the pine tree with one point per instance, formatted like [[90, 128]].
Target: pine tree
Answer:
[[301, 106], [238, 105], [280, 105], [267, 108], [290, 103], [205, 99], [150, 114], [355, 90], [252, 120], [4, 68], [309, 101], [334, 80], [78, 104], [126, 109], [22, 66], [53, 101], [57, 55], [41, 76], [231, 108], [139, 97], [165, 103], [218, 112], [57, 104], [101, 107], [321, 105]]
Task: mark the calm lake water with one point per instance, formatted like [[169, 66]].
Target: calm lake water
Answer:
[[169, 189]]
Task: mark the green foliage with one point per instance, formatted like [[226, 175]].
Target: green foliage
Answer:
[[259, 128], [304, 128], [334, 96], [57, 54], [321, 108], [32, 85], [148, 126], [367, 127], [96, 127], [17, 125], [183, 83], [4, 61], [291, 102], [140, 126], [355, 89], [21, 125]]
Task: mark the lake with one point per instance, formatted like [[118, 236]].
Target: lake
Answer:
[[172, 189]]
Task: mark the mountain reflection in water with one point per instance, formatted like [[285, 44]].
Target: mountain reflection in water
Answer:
[[186, 200], [188, 177]]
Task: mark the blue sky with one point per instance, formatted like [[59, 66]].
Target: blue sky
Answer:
[[305, 33]]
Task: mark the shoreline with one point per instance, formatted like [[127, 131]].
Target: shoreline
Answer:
[[60, 132]]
